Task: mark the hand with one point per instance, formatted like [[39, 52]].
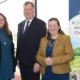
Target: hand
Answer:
[[36, 67], [48, 61]]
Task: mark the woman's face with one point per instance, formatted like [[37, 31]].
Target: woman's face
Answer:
[[53, 27], [2, 22]]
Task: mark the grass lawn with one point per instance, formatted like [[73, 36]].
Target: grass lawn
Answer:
[[75, 64]]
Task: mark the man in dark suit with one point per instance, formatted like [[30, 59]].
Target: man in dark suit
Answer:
[[30, 32]]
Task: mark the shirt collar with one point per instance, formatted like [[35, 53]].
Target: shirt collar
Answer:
[[29, 20]]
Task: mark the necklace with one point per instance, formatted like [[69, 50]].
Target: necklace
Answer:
[[51, 43]]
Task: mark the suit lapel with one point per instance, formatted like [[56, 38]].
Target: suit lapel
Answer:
[[45, 45], [56, 42], [55, 45], [31, 26], [32, 22], [22, 27]]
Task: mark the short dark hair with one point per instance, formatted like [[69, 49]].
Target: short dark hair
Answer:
[[58, 23], [28, 2]]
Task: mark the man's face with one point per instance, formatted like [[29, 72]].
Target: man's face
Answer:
[[28, 11]]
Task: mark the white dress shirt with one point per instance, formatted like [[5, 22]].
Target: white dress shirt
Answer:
[[26, 24]]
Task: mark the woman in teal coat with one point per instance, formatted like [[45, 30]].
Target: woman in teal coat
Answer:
[[7, 59]]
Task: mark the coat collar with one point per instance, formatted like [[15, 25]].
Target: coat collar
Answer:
[[56, 42]]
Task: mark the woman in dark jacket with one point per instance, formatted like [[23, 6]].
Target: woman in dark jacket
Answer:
[[7, 59]]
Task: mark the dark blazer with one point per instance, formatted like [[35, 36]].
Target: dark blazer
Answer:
[[28, 43], [12, 52]]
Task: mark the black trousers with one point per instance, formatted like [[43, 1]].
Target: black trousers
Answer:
[[27, 72]]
